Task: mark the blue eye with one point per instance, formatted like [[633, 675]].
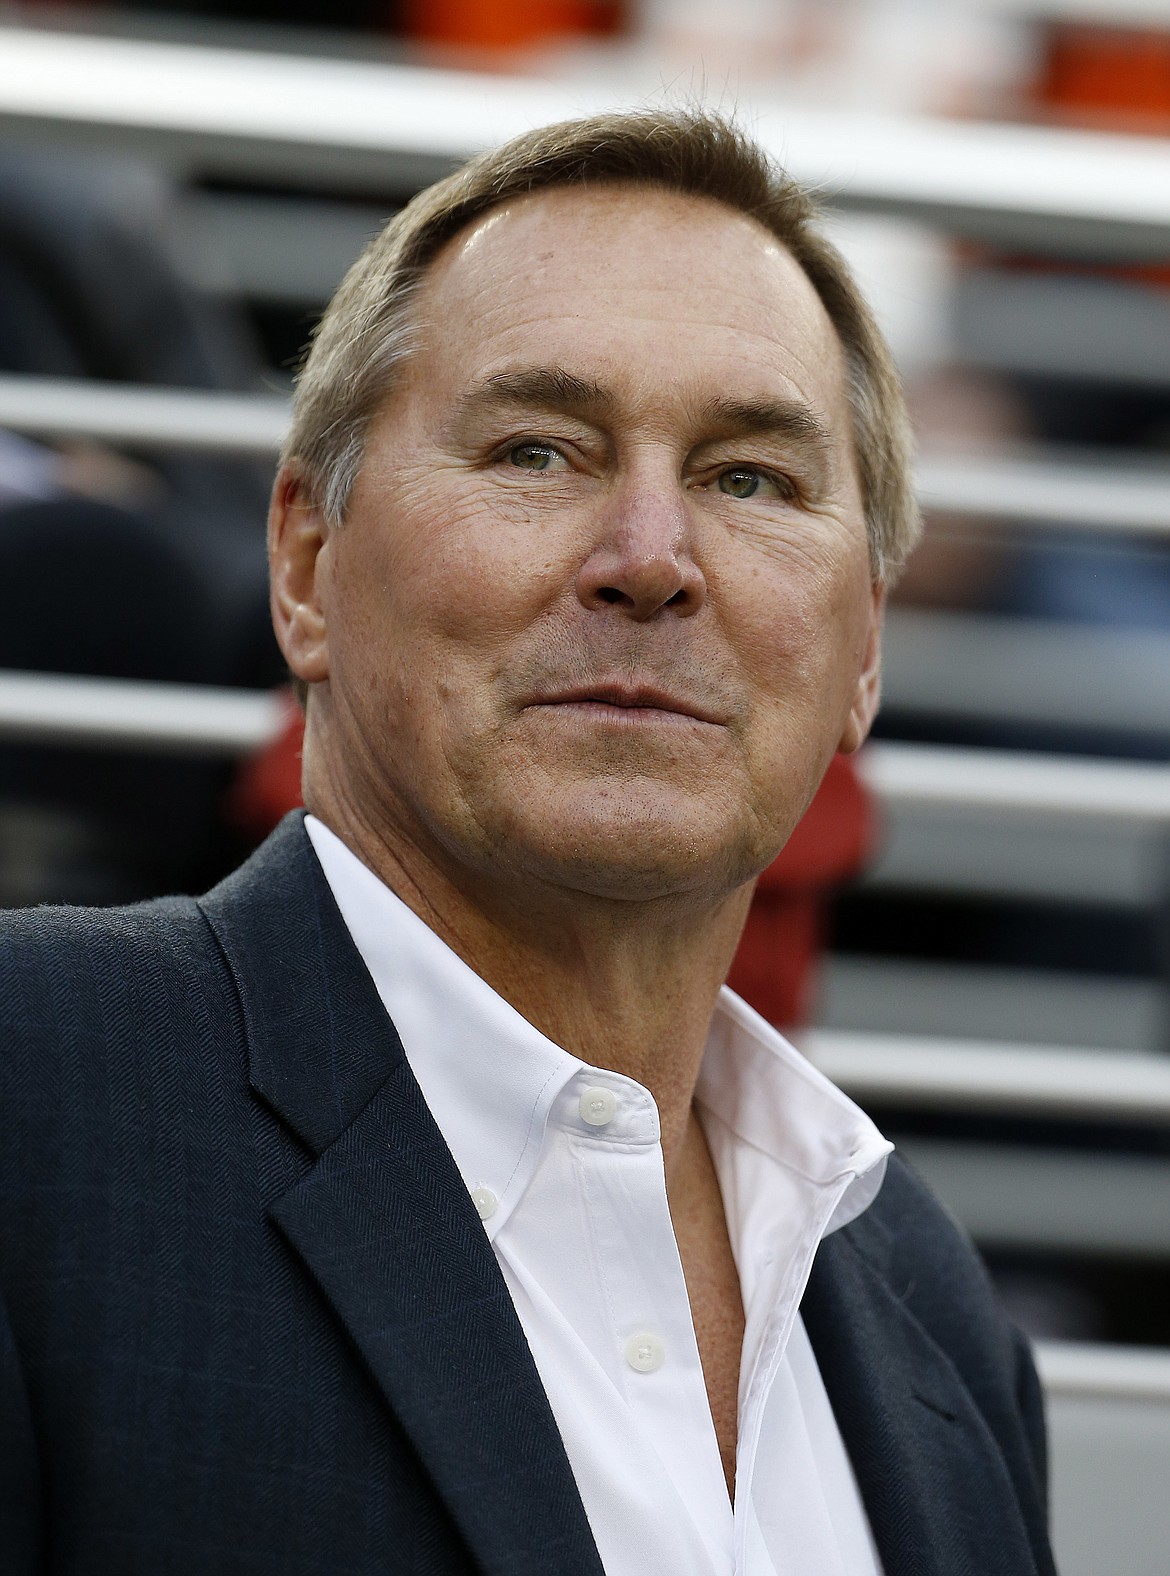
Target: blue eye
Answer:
[[533, 456]]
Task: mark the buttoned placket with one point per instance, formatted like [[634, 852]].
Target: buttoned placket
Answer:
[[780, 1285], [611, 1124]]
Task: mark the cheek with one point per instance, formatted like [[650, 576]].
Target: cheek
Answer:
[[801, 637], [443, 514], [481, 572], [441, 588]]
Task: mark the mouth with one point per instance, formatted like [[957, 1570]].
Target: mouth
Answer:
[[627, 703]]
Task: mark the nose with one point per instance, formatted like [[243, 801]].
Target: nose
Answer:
[[641, 561]]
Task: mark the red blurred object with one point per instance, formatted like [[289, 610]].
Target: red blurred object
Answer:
[[505, 24], [268, 783], [774, 968], [1107, 76]]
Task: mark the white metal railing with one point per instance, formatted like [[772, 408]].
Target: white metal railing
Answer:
[[1078, 676], [1017, 781], [1036, 490], [384, 124], [975, 1076], [1109, 1436], [1074, 1368], [1043, 490], [1035, 1198], [47, 708], [138, 415]]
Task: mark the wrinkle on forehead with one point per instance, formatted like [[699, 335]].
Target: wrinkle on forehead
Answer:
[[634, 260], [552, 224]]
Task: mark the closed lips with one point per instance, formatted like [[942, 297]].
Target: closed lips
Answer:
[[628, 699]]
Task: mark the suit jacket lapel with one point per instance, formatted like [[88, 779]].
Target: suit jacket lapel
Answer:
[[384, 1224], [927, 1465]]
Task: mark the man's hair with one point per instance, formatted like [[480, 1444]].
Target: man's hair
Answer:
[[368, 330]]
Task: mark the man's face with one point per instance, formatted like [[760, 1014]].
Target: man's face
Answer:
[[601, 610]]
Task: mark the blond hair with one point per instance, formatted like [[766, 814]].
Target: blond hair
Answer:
[[368, 329]]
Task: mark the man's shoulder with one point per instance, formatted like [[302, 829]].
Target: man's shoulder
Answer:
[[912, 1218], [930, 1263], [80, 987], [112, 1021], [87, 993], [63, 946], [931, 1268], [907, 1328], [69, 948]]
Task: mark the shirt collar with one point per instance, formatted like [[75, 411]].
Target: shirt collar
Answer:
[[770, 1096], [491, 1078], [488, 1075]]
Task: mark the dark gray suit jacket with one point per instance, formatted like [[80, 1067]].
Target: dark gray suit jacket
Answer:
[[251, 1322]]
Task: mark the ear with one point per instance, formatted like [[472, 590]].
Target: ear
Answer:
[[297, 533], [867, 695]]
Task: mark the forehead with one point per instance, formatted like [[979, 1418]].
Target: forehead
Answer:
[[636, 285]]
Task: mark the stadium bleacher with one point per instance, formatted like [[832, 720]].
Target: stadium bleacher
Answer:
[[1035, 1097]]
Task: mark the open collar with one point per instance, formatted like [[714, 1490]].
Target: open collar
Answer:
[[768, 1095], [489, 1077]]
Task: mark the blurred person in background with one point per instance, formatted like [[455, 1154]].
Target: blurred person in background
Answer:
[[123, 567], [418, 1200]]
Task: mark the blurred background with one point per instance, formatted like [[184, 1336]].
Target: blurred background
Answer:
[[971, 930]]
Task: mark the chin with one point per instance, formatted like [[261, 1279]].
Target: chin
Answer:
[[637, 855]]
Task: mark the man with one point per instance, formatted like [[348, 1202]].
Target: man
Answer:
[[416, 1202]]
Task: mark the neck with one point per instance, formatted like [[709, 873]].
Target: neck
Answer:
[[629, 986]]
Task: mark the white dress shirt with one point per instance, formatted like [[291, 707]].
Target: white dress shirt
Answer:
[[564, 1164]]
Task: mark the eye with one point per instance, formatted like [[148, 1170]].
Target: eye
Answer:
[[536, 457], [746, 481]]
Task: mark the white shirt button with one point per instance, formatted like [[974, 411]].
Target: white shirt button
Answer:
[[645, 1351], [485, 1202], [598, 1106]]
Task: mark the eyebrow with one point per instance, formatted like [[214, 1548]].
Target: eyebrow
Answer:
[[549, 388], [790, 419]]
